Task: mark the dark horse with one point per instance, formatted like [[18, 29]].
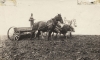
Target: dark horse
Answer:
[[48, 26], [63, 30]]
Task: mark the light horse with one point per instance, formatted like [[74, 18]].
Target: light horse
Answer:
[[48, 26], [71, 22]]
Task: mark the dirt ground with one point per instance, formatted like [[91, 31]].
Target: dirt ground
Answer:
[[79, 47]]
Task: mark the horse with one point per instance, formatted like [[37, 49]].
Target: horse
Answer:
[[66, 28], [63, 30], [57, 29], [48, 26], [71, 22]]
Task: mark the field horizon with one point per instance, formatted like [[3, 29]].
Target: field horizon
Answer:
[[5, 37]]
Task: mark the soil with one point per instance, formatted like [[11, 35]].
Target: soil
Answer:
[[79, 47]]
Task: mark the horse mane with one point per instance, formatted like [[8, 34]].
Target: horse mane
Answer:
[[55, 17]]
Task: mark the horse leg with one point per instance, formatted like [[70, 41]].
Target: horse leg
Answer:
[[42, 35], [59, 34], [56, 35], [49, 35], [52, 34], [35, 34], [64, 35], [70, 34], [32, 35], [38, 34], [45, 34]]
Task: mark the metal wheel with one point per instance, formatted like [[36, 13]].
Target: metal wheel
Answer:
[[12, 34], [16, 36]]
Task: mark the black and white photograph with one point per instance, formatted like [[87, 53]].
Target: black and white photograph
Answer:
[[49, 29]]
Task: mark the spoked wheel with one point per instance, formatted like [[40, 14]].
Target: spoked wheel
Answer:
[[12, 34], [16, 36]]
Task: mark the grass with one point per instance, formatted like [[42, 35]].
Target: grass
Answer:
[[80, 47]]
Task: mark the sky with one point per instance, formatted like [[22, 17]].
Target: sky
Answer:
[[87, 16]]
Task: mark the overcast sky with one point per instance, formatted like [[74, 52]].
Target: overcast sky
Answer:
[[87, 16]]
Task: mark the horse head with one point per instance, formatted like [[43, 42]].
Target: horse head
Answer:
[[59, 18], [60, 24]]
